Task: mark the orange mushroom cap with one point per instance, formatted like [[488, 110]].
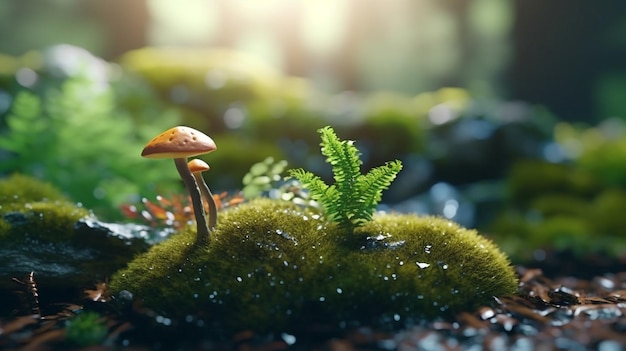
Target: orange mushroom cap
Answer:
[[179, 142], [197, 165]]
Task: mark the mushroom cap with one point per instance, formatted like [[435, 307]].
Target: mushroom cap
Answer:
[[197, 165], [179, 142]]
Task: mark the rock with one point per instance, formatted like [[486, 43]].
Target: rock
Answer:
[[92, 252], [65, 246]]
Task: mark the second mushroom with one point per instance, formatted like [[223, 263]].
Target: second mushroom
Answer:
[[197, 166]]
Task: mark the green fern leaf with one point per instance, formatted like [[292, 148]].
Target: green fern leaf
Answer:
[[352, 200], [371, 187], [318, 190], [343, 156]]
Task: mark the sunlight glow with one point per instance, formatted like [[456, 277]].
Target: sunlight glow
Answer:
[[323, 25], [193, 23]]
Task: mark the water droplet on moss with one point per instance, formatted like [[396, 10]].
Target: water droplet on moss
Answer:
[[239, 279], [125, 295], [339, 291], [422, 265], [427, 248], [395, 244], [322, 299]]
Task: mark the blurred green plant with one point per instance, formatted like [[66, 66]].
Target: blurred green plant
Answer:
[[262, 177], [75, 137], [352, 200], [563, 207], [86, 329]]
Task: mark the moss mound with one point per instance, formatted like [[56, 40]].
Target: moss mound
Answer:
[[273, 266], [19, 189], [560, 207], [33, 210]]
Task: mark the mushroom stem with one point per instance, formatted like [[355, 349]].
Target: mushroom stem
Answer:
[[203, 231], [208, 197]]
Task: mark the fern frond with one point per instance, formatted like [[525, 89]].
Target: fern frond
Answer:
[[343, 156], [318, 190], [352, 200], [371, 187]]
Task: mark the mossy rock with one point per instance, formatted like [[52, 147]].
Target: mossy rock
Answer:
[[560, 205], [18, 189], [43, 232], [274, 266], [531, 179]]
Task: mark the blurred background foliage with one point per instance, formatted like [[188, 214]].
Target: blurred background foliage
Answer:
[[507, 114]]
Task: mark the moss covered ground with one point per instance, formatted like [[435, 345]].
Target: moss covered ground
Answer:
[[272, 264]]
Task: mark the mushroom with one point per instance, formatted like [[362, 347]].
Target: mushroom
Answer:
[[179, 143], [197, 166]]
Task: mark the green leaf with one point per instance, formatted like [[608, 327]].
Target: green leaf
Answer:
[[352, 200], [372, 185]]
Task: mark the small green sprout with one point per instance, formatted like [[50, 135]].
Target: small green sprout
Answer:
[[352, 200]]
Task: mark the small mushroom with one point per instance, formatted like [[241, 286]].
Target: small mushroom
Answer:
[[180, 143], [197, 166]]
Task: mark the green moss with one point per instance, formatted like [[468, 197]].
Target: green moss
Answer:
[[605, 158], [19, 189], [51, 221], [607, 212], [5, 228], [272, 265], [531, 179], [560, 204], [562, 232], [560, 207], [31, 210]]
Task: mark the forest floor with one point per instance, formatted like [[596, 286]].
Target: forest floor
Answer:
[[561, 305]]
